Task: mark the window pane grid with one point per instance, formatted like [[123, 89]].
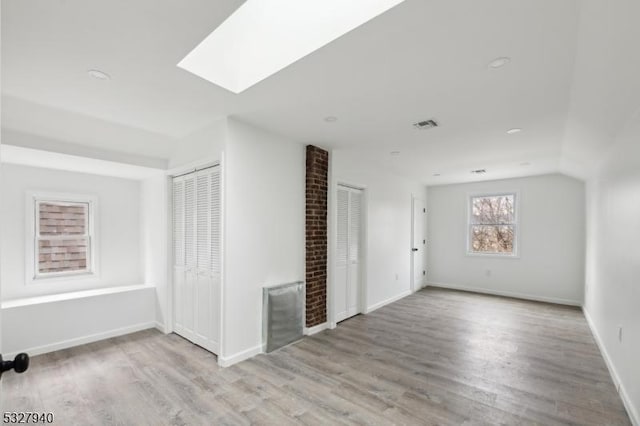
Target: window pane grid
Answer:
[[62, 240], [492, 224]]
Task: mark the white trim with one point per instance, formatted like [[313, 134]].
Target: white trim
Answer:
[[223, 250], [193, 166], [332, 316], [631, 410], [31, 275], [64, 344], [516, 295], [240, 356], [316, 329], [169, 269], [332, 241], [515, 224], [388, 301], [59, 297], [412, 255], [161, 327]]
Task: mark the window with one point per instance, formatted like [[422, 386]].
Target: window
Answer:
[[62, 236], [492, 224]]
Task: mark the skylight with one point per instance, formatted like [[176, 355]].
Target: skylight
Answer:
[[264, 36]]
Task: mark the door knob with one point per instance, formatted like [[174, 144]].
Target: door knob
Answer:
[[414, 249], [19, 364]]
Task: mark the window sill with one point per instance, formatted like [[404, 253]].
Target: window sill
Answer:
[[51, 298], [494, 256]]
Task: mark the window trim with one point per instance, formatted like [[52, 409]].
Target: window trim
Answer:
[[33, 199], [516, 225]]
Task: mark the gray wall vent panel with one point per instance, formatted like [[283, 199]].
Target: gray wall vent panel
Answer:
[[283, 314]]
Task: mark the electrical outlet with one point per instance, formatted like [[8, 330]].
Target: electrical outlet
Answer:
[[620, 333], [396, 277]]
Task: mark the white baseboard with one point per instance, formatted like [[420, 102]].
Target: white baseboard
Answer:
[[65, 344], [386, 302], [516, 295], [316, 329], [240, 356], [162, 327], [631, 410]]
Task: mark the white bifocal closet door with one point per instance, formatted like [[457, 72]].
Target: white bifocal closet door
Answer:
[[353, 293], [342, 256], [347, 271], [196, 239]]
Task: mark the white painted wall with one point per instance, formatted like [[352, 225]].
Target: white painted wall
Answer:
[[52, 325], [42, 317], [551, 239], [613, 262], [203, 145], [264, 237], [388, 225], [118, 224], [155, 246], [605, 119]]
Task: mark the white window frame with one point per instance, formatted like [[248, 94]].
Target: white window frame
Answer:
[[33, 199], [516, 225]]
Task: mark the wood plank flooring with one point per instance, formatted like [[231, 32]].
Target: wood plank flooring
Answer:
[[436, 357]]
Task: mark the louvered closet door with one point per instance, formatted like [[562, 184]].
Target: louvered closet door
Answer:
[[347, 298], [187, 290], [342, 256], [197, 241], [179, 261], [353, 288]]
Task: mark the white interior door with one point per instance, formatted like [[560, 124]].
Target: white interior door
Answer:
[[347, 289], [419, 243], [196, 241]]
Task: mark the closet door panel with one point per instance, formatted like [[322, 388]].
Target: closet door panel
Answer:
[[353, 287], [342, 256], [202, 283], [215, 244], [197, 237], [190, 249], [178, 251]]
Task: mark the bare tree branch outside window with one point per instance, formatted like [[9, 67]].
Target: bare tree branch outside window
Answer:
[[492, 224]]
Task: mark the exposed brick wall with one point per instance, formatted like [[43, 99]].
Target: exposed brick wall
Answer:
[[59, 255], [316, 234]]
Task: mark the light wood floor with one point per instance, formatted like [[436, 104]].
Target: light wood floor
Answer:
[[436, 357]]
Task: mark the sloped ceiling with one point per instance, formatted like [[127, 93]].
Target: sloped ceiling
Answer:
[[423, 59], [606, 85]]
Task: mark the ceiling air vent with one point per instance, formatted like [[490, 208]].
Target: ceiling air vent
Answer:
[[478, 171], [424, 125]]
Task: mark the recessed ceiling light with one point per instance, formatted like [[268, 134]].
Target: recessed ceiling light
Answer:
[[394, 153], [100, 75], [331, 119], [479, 171], [262, 37], [526, 163], [513, 131], [499, 62], [436, 174]]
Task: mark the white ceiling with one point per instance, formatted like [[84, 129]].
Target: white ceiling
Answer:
[[423, 59]]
